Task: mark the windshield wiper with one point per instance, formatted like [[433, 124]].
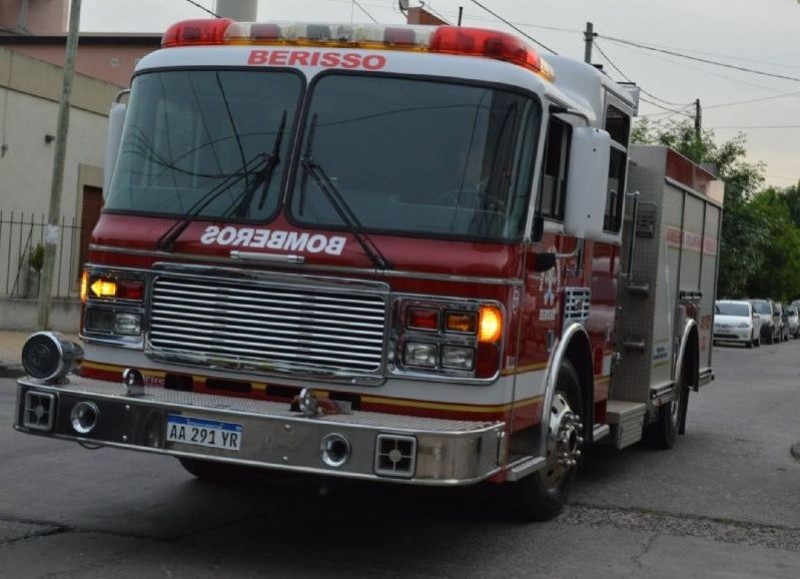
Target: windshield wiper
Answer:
[[346, 214], [264, 176], [167, 240]]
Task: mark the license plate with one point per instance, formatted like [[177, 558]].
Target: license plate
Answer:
[[200, 432]]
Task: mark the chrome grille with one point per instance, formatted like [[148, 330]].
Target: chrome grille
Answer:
[[577, 301], [302, 328]]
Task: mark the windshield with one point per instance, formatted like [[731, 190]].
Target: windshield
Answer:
[[762, 307], [419, 157], [733, 309], [189, 132]]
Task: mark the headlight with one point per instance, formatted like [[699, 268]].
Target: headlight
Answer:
[[458, 358], [418, 354], [127, 324]]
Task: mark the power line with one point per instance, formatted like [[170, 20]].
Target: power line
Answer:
[[698, 59], [626, 77], [669, 110], [759, 127], [364, 10], [756, 100], [203, 8], [507, 23]]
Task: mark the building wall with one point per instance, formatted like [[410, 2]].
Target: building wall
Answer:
[[113, 62], [29, 99], [43, 16]]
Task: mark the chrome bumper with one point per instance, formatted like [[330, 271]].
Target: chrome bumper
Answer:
[[445, 452]]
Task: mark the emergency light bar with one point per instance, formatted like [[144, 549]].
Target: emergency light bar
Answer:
[[436, 39]]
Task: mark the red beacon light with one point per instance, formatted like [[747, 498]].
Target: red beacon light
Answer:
[[490, 44], [201, 31], [442, 40]]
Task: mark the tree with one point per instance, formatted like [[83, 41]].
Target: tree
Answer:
[[745, 231]]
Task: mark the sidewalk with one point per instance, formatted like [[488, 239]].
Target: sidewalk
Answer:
[[11, 343]]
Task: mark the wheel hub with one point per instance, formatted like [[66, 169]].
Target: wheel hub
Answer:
[[564, 440]]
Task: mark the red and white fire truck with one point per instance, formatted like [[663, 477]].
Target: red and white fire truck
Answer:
[[390, 253]]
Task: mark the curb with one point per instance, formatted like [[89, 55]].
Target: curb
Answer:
[[11, 370]]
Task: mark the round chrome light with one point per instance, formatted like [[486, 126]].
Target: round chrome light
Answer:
[[335, 450], [84, 417]]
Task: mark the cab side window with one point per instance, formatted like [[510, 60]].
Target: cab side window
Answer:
[[618, 125], [553, 186]]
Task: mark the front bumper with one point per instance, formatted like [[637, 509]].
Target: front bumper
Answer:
[[733, 334], [428, 451]]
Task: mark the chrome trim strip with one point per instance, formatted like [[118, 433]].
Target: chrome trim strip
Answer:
[[678, 369], [318, 268]]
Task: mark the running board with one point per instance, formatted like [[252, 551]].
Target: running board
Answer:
[[524, 466], [600, 432]]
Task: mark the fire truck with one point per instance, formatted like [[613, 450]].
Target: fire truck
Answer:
[[420, 255]]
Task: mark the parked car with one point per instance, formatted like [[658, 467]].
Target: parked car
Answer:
[[769, 328], [736, 321], [793, 321], [778, 312]]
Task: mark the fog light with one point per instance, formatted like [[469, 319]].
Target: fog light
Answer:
[[84, 417], [48, 356], [127, 324], [458, 358], [417, 354]]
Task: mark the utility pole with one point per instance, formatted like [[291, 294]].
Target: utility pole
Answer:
[[52, 233], [698, 120], [588, 38]]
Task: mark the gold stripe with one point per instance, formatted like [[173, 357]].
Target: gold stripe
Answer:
[[447, 406], [524, 369]]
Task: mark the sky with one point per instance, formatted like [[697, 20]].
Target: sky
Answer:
[[762, 35]]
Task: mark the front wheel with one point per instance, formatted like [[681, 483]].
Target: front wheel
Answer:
[[541, 496], [219, 472]]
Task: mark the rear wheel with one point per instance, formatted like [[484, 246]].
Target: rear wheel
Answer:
[[664, 431], [542, 495]]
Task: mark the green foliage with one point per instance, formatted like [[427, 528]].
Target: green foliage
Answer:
[[754, 232], [36, 257]]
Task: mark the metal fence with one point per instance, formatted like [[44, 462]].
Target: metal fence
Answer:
[[21, 239]]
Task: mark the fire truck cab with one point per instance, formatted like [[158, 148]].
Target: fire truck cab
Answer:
[[390, 253]]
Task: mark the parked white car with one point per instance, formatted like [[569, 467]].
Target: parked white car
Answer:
[[793, 321], [735, 321]]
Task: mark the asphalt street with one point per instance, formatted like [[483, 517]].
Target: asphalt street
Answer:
[[724, 503]]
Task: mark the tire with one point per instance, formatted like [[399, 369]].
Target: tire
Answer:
[[541, 496], [758, 342], [663, 433], [750, 342], [219, 472]]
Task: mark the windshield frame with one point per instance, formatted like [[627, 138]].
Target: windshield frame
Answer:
[[296, 168], [290, 135]]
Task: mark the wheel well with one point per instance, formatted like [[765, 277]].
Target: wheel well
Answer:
[[690, 367], [579, 353]]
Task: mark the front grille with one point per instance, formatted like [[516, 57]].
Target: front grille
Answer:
[[268, 327], [577, 301]]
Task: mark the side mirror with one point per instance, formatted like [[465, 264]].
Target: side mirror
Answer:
[[116, 119], [587, 183]]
